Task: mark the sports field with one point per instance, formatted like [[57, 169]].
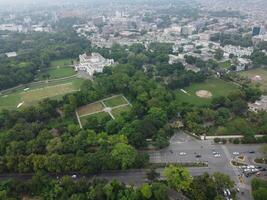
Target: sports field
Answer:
[[58, 69], [112, 106], [258, 76], [39, 92], [212, 87]]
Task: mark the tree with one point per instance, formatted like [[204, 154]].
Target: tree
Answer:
[[159, 191], [223, 181], [260, 194], [125, 155], [152, 175], [146, 191], [218, 54], [177, 177], [263, 150]]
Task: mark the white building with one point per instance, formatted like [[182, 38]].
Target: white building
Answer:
[[237, 51], [92, 63], [242, 63], [259, 105], [11, 54]]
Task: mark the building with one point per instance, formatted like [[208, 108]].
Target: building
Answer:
[[242, 64], [256, 30], [91, 63], [259, 105], [11, 54]]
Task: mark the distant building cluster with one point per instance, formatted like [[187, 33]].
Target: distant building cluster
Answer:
[[93, 63]]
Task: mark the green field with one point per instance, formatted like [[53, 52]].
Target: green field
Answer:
[[216, 86], [61, 63], [117, 111], [57, 69], [257, 72], [97, 115], [39, 92], [115, 101]]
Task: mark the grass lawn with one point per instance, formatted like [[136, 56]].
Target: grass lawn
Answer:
[[115, 101], [61, 63], [117, 111], [57, 69], [216, 86], [90, 108], [39, 92], [98, 115], [255, 72]]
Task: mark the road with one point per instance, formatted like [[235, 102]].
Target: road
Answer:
[[182, 142], [179, 143]]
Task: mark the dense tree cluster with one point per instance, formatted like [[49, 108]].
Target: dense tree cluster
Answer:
[[259, 188], [232, 39], [35, 52], [204, 187], [45, 188], [210, 187]]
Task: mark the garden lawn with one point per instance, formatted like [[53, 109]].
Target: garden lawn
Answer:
[[117, 111], [57, 69], [97, 115], [115, 101]]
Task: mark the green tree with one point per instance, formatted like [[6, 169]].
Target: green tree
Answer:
[[218, 54], [260, 194], [177, 177], [125, 155], [146, 191]]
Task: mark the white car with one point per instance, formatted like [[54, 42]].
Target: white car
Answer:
[[74, 176], [182, 153], [217, 155], [254, 170], [236, 153]]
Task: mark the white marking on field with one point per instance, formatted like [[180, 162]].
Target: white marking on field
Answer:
[[20, 104], [48, 87], [184, 91]]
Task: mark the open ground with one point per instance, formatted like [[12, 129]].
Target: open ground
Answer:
[[112, 106], [214, 87], [254, 73], [37, 92]]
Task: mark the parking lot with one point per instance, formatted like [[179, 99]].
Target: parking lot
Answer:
[[184, 148]]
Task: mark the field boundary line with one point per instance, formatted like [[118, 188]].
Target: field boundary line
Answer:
[[109, 112], [34, 83], [91, 113], [127, 100], [123, 105], [102, 102], [78, 118]]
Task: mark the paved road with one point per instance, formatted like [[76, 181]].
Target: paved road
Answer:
[[130, 177], [182, 142]]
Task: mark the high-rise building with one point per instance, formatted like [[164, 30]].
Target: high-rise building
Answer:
[[256, 30]]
